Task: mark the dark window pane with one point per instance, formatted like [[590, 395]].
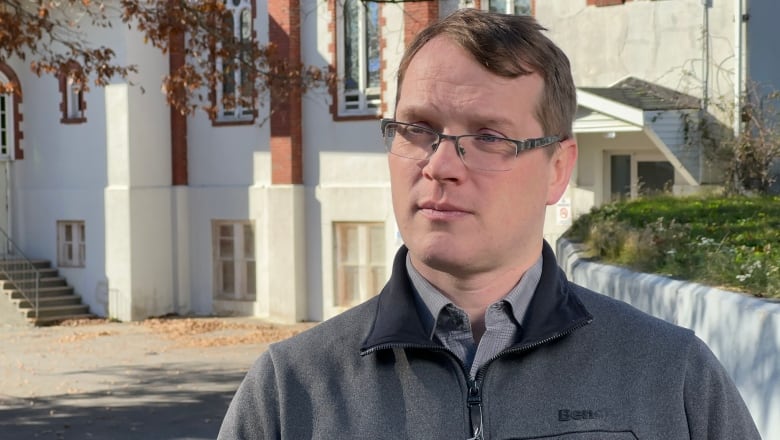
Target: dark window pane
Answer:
[[620, 170], [372, 44], [351, 45], [655, 177]]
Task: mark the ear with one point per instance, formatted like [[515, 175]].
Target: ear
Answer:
[[561, 166]]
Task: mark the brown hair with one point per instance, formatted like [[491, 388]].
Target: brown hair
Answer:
[[509, 46]]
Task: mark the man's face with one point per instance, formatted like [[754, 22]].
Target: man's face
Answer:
[[460, 221]]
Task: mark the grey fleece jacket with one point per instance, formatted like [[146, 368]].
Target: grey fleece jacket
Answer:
[[587, 367]]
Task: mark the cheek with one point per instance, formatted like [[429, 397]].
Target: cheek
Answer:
[[401, 182], [522, 194]]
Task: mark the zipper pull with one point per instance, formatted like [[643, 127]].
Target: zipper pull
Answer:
[[474, 401]]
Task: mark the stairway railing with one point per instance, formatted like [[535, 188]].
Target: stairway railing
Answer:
[[20, 271]]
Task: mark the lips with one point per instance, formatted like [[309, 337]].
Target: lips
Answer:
[[441, 210]]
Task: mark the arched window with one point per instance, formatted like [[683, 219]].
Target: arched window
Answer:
[[72, 104], [235, 100], [359, 58], [10, 132]]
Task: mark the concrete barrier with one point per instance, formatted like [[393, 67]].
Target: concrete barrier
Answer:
[[742, 331]]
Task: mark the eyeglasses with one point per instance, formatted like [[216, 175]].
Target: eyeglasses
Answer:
[[477, 151]]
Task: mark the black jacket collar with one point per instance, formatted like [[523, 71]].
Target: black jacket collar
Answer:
[[553, 310]]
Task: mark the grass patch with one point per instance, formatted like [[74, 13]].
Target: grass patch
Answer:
[[729, 242]]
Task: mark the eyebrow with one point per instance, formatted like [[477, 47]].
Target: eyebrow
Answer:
[[418, 112]]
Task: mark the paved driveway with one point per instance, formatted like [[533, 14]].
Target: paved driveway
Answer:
[[158, 379]]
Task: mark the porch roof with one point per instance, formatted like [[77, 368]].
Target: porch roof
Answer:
[[625, 105], [634, 105]]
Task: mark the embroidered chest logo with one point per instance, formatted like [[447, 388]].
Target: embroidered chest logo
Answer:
[[566, 415]]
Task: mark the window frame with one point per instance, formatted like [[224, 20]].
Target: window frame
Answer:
[[244, 282], [71, 92], [634, 159], [7, 138], [7, 122], [77, 257], [369, 282], [238, 115], [510, 7], [365, 101]]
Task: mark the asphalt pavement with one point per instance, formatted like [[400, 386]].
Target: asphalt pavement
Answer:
[[167, 378]]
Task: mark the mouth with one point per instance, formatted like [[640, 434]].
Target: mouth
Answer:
[[441, 210]]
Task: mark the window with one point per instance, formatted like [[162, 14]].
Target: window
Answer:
[[6, 122], [235, 95], [10, 115], [359, 58], [359, 262], [516, 7], [605, 2], [6, 126], [234, 260], [634, 175], [72, 102], [71, 243]]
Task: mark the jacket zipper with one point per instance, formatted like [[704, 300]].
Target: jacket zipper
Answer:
[[475, 391], [474, 402], [474, 396]]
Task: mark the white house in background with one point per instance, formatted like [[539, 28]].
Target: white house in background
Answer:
[[640, 67], [148, 213]]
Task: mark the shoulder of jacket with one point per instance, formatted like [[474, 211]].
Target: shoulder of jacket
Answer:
[[343, 332], [626, 317]]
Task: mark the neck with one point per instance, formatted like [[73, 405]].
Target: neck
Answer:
[[474, 293]]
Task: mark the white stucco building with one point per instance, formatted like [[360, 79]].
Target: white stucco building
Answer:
[[147, 213]]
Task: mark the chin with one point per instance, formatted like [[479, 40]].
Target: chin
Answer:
[[440, 256]]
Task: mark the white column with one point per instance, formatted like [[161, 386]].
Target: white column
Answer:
[[139, 241]]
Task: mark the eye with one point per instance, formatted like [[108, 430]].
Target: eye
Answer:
[[488, 138], [417, 130]]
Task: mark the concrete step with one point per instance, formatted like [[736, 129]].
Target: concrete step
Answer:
[[16, 262], [57, 300], [54, 320], [15, 274], [61, 312], [43, 292], [28, 284], [50, 301]]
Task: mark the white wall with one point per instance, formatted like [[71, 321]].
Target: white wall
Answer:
[[63, 174], [658, 41], [742, 331]]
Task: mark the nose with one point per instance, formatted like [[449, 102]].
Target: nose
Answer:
[[445, 164]]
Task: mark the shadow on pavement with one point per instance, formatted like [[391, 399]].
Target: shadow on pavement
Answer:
[[177, 401]]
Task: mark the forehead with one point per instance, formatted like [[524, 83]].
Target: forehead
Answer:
[[445, 81]]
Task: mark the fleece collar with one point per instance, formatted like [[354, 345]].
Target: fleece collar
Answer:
[[553, 310]]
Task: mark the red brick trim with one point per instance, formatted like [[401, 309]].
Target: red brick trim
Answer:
[[418, 15], [17, 102], [179, 166], [284, 19]]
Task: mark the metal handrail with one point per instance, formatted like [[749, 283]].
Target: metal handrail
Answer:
[[20, 271]]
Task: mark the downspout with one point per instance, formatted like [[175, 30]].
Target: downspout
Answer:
[[738, 71], [7, 213], [705, 55], [705, 94]]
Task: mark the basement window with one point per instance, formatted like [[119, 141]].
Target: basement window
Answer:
[[71, 243]]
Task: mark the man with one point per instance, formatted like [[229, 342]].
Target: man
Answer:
[[478, 334]]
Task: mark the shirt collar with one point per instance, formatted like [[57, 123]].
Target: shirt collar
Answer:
[[430, 301]]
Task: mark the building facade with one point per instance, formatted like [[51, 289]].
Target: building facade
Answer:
[[288, 216]]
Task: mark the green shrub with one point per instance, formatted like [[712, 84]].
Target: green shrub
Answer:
[[729, 242]]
